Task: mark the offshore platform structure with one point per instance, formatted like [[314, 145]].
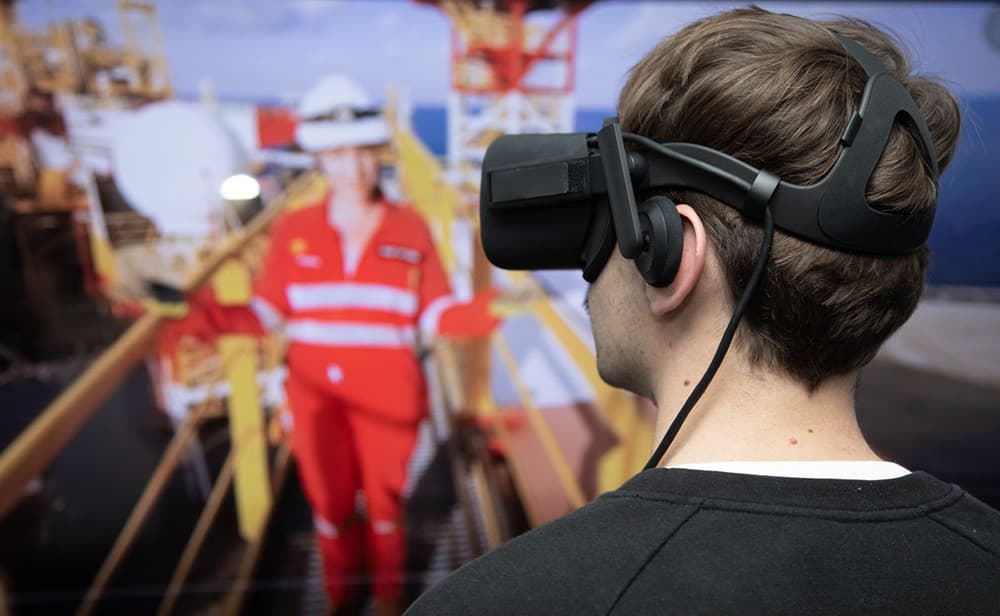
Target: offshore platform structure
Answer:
[[72, 66], [74, 58], [512, 71]]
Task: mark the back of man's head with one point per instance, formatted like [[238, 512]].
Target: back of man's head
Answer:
[[777, 91]]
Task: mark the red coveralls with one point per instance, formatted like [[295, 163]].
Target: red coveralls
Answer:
[[355, 386]]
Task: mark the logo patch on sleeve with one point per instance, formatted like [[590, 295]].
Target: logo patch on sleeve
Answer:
[[400, 253]]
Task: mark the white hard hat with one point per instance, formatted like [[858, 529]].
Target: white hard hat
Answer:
[[337, 112]]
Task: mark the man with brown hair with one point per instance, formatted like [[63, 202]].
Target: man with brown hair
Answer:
[[769, 500]]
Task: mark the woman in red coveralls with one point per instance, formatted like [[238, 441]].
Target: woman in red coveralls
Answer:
[[357, 283]]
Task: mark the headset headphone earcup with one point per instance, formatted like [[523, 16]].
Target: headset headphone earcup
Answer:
[[664, 233]]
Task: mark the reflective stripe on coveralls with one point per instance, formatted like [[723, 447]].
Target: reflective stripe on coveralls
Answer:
[[365, 296], [325, 527], [368, 335], [431, 317], [269, 316]]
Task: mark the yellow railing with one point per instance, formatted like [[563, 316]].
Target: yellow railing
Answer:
[[41, 441], [469, 459], [37, 447], [151, 493], [568, 481], [426, 188], [198, 535]]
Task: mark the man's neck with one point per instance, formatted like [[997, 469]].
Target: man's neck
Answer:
[[757, 416]]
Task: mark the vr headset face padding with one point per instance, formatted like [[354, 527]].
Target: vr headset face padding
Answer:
[[663, 237]]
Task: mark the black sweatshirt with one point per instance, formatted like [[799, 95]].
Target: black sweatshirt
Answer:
[[700, 542]]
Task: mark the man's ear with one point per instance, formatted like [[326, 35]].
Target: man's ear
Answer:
[[669, 298]]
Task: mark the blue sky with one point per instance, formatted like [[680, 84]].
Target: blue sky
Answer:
[[274, 49]]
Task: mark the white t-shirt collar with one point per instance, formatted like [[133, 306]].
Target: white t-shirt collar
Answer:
[[812, 469]]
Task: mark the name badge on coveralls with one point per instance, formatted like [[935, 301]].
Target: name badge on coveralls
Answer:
[[400, 253]]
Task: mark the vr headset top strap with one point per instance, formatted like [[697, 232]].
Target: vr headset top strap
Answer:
[[844, 214], [834, 212]]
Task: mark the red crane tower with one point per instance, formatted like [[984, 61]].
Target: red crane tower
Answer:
[[512, 71]]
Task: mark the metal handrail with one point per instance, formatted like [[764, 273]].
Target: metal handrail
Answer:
[[567, 480], [38, 445], [198, 535], [151, 493], [447, 381]]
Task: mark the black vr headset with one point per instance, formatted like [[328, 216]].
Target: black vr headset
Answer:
[[562, 201]]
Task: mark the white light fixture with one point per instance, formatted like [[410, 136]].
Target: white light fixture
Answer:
[[239, 187]]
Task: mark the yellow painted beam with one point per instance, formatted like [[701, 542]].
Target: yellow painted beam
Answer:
[[104, 259], [232, 283], [246, 427]]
